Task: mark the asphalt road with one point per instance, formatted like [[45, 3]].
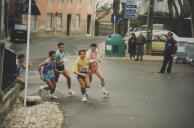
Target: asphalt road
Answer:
[[139, 96]]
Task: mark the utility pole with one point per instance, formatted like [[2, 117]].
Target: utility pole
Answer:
[[192, 16], [192, 26], [2, 7], [27, 51], [0, 18], [2, 45], [150, 27]]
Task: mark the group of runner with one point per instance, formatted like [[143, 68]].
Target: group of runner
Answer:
[[86, 64]]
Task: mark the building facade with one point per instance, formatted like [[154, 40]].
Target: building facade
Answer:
[[64, 17]]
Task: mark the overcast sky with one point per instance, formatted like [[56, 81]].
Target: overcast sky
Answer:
[[111, 1], [105, 1]]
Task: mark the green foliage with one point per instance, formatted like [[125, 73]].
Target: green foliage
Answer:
[[134, 23], [159, 14]]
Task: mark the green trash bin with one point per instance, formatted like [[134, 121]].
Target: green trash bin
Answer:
[[115, 46]]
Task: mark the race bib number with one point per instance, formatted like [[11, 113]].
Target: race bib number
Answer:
[[83, 69]]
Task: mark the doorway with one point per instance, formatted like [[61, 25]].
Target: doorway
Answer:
[[68, 24], [89, 24]]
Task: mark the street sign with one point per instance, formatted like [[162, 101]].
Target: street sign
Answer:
[[130, 16], [114, 18], [130, 6], [130, 11]]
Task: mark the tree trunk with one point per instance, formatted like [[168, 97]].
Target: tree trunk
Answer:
[[182, 12], [170, 7], [192, 16], [116, 8], [176, 9], [179, 17], [187, 9]]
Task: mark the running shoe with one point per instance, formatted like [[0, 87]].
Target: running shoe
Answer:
[[84, 99], [71, 92], [105, 93], [52, 96], [42, 88]]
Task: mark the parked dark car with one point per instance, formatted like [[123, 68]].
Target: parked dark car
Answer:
[[19, 33]]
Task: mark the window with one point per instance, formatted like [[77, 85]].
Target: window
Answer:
[[59, 22], [33, 23], [78, 1], [61, 1], [70, 1], [49, 22], [77, 21], [50, 1]]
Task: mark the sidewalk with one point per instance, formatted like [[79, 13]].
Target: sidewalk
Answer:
[[44, 115], [145, 57]]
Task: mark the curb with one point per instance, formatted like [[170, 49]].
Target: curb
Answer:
[[145, 57]]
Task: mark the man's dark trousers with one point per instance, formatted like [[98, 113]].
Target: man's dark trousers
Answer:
[[168, 59]]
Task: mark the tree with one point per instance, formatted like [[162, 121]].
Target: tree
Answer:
[[178, 11], [102, 11], [173, 9], [185, 12]]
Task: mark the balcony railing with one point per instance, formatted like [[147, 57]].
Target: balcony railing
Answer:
[[8, 67]]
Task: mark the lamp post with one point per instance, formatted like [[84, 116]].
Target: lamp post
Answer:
[[27, 51], [29, 8]]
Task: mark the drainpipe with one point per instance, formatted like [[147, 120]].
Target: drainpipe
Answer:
[[94, 24]]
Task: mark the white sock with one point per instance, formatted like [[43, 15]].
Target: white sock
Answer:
[[49, 91], [103, 89]]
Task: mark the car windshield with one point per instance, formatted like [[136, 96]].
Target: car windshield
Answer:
[[158, 38]]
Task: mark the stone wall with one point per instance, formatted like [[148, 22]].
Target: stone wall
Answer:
[[7, 99]]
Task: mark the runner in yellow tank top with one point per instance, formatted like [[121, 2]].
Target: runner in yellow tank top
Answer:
[[81, 68]]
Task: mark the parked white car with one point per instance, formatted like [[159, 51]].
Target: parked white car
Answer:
[[165, 32]]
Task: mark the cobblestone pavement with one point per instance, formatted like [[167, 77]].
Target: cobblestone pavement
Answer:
[[44, 115]]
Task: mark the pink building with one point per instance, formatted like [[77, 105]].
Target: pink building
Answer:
[[64, 17]]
